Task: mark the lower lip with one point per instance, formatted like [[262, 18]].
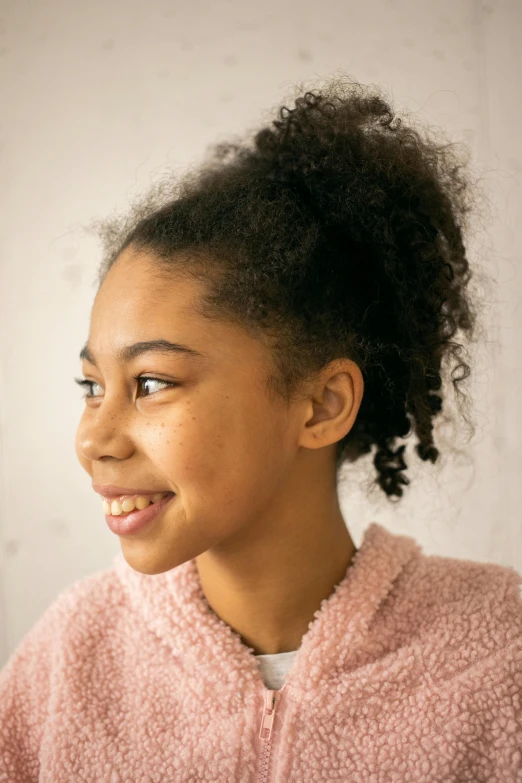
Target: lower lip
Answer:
[[125, 524]]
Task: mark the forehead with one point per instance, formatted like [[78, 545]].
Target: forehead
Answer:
[[139, 279], [141, 299]]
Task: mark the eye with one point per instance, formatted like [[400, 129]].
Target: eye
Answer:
[[140, 378]]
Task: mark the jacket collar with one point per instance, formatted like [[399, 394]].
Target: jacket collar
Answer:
[[172, 605]]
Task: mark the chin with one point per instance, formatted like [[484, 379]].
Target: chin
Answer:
[[143, 558]]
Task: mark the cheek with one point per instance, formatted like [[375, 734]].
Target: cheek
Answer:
[[219, 445]]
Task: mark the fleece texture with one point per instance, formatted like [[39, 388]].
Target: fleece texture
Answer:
[[411, 670]]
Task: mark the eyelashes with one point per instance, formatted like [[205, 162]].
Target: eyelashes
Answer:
[[85, 384]]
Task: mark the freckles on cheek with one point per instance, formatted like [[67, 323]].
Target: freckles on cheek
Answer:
[[200, 440], [179, 441]]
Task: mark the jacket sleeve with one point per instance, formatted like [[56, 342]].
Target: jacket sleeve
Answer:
[[25, 690]]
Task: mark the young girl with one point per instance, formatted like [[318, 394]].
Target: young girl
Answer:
[[267, 320]]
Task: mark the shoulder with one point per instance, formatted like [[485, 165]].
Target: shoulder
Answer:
[[462, 611], [451, 584], [84, 606], [88, 606], [467, 571]]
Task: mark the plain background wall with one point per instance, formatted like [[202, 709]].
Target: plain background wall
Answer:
[[97, 99]]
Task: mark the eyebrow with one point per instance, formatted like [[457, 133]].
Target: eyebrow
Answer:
[[129, 352]]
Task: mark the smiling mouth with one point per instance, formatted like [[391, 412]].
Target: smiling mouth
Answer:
[[133, 521], [126, 504]]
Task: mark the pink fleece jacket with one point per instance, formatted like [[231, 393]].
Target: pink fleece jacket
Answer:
[[411, 670]]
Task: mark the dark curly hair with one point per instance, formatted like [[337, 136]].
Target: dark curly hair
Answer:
[[337, 233]]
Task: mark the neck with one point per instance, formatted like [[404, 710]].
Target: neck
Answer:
[[268, 586]]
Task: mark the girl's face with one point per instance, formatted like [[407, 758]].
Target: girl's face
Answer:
[[213, 437]]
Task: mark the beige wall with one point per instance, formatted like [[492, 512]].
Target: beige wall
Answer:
[[96, 98]]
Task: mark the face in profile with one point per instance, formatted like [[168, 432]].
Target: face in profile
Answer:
[[202, 425]]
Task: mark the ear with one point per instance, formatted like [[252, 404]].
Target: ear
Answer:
[[333, 404]]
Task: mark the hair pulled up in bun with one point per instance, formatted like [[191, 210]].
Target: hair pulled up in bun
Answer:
[[334, 231]]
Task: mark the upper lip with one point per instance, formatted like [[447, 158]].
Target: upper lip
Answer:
[[112, 490]]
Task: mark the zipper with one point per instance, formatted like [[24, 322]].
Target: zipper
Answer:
[[272, 699]]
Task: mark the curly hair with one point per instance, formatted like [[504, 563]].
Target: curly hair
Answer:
[[337, 232]]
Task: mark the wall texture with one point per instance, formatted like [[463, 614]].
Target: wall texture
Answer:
[[97, 98]]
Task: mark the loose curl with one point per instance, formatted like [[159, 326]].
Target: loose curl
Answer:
[[336, 232]]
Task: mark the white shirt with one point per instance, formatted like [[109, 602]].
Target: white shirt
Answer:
[[275, 667]]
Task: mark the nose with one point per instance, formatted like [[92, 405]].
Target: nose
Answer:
[[103, 431]]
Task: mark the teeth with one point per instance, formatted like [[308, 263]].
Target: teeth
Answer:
[[117, 507]]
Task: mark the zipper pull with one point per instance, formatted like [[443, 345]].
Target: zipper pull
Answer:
[[268, 716]]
